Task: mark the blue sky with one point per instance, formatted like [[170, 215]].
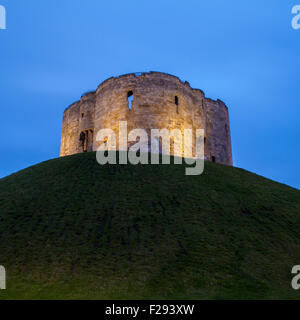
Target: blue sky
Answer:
[[245, 53]]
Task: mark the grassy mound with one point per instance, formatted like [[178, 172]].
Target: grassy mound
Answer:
[[70, 228]]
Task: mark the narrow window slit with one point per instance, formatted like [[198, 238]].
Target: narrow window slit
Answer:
[[130, 99], [177, 103]]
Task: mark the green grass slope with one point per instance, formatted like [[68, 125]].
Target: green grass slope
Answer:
[[70, 228]]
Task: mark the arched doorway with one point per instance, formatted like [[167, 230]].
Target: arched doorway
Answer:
[[86, 140]]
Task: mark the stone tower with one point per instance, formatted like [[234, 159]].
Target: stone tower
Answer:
[[148, 101]]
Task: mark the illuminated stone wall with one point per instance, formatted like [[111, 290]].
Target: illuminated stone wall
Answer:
[[159, 101]]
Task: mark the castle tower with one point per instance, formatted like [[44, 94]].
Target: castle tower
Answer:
[[148, 101]]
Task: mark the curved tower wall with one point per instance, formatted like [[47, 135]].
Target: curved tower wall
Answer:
[[159, 101], [217, 131]]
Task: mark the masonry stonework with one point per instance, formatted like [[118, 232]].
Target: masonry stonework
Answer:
[[159, 100]]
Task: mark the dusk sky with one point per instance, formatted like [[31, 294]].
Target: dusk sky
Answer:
[[245, 53]]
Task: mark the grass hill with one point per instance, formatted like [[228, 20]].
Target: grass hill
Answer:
[[70, 228]]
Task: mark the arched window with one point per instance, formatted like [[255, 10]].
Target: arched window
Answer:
[[86, 140], [83, 141], [130, 99]]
